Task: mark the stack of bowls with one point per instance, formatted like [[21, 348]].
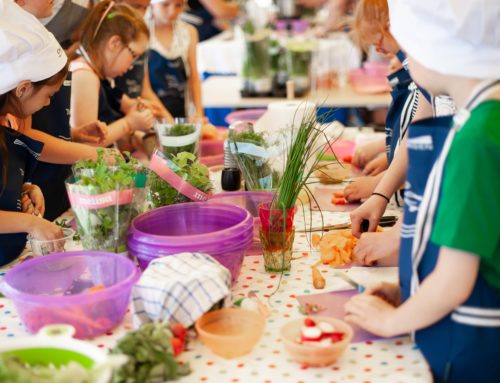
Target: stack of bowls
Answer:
[[88, 290], [221, 230]]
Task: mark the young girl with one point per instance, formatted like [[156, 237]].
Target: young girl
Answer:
[[26, 87], [113, 36], [450, 263], [172, 61]]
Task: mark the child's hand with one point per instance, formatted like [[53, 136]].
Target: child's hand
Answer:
[[140, 118], [371, 313], [372, 210], [32, 195], [389, 292], [94, 133], [372, 247], [45, 230], [360, 189], [367, 152], [377, 165]]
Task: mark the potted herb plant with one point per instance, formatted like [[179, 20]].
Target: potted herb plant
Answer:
[[186, 171], [102, 199], [181, 136]]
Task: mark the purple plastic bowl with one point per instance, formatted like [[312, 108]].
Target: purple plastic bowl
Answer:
[[249, 200], [221, 230], [58, 288]]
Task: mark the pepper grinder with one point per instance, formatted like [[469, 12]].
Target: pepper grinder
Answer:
[[231, 174]]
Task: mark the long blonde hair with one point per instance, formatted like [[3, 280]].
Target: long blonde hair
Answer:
[[370, 16]]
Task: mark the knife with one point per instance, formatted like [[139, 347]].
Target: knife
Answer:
[[352, 282], [389, 220]]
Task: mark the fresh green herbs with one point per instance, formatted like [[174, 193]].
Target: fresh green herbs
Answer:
[[257, 170], [151, 356], [177, 130], [185, 166], [103, 225]]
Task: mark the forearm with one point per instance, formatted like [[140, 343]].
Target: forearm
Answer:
[[57, 151], [15, 222], [393, 179], [439, 293], [116, 130], [196, 95]]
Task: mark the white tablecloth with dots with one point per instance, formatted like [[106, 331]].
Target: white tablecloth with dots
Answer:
[[394, 360]]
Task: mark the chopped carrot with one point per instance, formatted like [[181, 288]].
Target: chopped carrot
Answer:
[[95, 288], [339, 201], [347, 159], [338, 194], [315, 239]]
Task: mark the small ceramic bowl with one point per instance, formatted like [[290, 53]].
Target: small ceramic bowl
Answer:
[[315, 355], [230, 332]]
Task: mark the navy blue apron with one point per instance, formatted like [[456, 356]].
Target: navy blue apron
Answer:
[[404, 104], [23, 154], [169, 81], [462, 347], [197, 15], [131, 82], [54, 120]]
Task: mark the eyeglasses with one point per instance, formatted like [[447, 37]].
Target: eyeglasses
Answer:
[[133, 53]]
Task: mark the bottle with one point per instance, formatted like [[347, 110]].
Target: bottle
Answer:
[[231, 175]]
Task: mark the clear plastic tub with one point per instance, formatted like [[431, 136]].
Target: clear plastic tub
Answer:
[[60, 245], [221, 230], [89, 290]]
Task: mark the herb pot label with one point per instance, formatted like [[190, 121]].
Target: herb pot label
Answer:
[[100, 201], [159, 166]]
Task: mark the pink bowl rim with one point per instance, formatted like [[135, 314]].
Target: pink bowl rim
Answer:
[[16, 294]]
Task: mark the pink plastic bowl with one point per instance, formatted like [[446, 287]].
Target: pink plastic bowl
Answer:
[[89, 290], [250, 115]]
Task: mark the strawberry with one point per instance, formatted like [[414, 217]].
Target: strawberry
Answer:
[[308, 322]]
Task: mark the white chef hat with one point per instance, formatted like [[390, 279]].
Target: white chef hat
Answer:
[[28, 51], [454, 37]]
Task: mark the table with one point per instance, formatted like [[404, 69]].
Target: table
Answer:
[[394, 360], [224, 92]]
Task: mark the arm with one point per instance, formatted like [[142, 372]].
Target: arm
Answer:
[[194, 79], [221, 8], [85, 105], [15, 222], [427, 305]]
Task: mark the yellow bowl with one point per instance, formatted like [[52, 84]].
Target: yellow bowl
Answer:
[[230, 332], [312, 355]]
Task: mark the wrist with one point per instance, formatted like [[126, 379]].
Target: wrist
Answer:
[[127, 126], [381, 195]]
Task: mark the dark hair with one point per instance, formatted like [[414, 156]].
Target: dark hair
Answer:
[[9, 101], [120, 19]]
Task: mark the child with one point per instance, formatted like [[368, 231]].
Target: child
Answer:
[[371, 26], [113, 36], [172, 61], [26, 87], [450, 263]]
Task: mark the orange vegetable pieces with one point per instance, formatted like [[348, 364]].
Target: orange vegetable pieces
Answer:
[[347, 159], [336, 247], [339, 201], [95, 288], [338, 194], [315, 238]]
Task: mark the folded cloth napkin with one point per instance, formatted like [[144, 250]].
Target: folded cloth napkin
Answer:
[[179, 288]]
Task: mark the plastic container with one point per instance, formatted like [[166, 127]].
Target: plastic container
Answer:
[[223, 231], [55, 345], [315, 355], [66, 243], [89, 290], [248, 115], [230, 332], [249, 201], [363, 81]]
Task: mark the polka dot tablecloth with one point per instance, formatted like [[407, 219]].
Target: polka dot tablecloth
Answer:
[[394, 360]]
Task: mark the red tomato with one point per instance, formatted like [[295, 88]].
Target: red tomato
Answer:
[[347, 159], [179, 331], [177, 345], [308, 322]]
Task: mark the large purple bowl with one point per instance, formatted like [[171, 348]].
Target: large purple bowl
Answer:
[[221, 230], [249, 200], [89, 290]]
